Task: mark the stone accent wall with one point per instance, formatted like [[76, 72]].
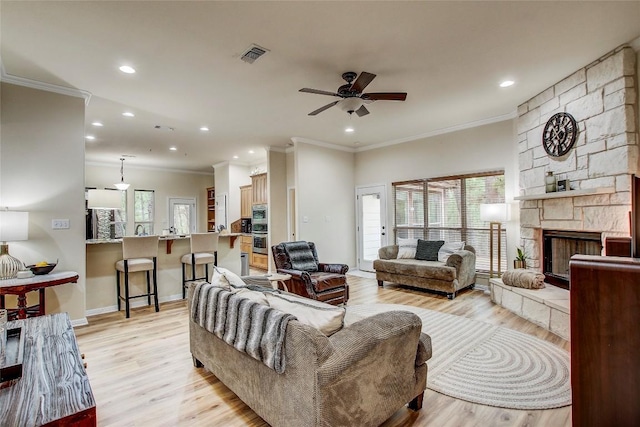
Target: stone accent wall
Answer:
[[602, 97]]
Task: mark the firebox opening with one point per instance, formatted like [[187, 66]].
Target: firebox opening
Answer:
[[560, 246]]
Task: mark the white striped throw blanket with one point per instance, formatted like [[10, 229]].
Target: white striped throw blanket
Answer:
[[253, 328]]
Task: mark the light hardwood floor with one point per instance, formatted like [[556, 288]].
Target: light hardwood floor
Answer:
[[141, 371]]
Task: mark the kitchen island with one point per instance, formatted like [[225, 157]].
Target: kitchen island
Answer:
[[101, 274]]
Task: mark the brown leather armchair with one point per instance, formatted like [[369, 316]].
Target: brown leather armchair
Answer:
[[327, 284]]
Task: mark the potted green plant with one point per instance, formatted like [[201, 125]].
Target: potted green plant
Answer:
[[521, 259]]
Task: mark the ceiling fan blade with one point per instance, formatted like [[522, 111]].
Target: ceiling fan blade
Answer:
[[362, 111], [362, 81], [321, 109], [385, 96], [318, 92]]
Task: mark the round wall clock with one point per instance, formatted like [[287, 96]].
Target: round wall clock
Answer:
[[559, 134]]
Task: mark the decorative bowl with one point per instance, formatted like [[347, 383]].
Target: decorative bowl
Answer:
[[40, 270]]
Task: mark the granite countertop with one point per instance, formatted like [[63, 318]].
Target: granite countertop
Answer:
[[162, 238]]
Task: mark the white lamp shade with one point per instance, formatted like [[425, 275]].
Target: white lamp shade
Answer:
[[493, 212], [104, 199], [14, 226]]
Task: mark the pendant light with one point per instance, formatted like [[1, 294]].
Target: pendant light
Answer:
[[121, 185]]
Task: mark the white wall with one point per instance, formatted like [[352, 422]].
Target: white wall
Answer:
[[484, 148], [238, 176], [277, 189], [42, 172], [325, 198], [164, 183]]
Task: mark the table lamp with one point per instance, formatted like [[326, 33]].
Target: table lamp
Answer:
[[14, 226], [495, 214]]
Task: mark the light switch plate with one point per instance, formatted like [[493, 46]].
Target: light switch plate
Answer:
[[60, 224]]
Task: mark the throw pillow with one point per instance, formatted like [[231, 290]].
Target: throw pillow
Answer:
[[448, 249], [327, 318], [300, 256], [427, 250], [523, 278], [232, 278], [407, 248], [218, 279]]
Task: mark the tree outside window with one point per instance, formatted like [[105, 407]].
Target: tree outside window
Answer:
[[143, 206]]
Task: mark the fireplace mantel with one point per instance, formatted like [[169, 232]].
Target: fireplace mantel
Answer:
[[569, 193]]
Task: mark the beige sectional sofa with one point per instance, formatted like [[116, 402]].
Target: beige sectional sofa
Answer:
[[359, 375], [456, 273]]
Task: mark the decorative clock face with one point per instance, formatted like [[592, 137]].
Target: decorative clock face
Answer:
[[559, 134]]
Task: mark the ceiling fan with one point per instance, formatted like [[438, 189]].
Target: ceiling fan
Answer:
[[353, 99]]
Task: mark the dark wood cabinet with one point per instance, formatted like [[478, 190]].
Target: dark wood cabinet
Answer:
[[605, 341]]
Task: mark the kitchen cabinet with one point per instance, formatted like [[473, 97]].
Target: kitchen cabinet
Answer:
[[260, 261], [246, 200], [259, 188], [211, 209], [246, 245]]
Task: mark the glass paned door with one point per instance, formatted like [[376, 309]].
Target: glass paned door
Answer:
[[182, 215], [371, 225]]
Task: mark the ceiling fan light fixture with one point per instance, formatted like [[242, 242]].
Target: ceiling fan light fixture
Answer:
[[350, 104]]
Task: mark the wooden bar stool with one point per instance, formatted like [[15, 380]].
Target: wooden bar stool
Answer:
[[140, 254], [204, 251]]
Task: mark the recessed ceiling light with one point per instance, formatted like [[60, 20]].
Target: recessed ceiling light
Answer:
[[127, 69], [204, 129], [251, 151], [90, 137], [173, 148], [128, 114], [235, 157], [507, 83], [97, 124], [349, 130]]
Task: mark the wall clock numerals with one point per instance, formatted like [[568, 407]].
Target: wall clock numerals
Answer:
[[559, 134]]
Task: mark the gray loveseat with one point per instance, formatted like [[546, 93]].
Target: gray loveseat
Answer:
[[458, 272], [360, 375]]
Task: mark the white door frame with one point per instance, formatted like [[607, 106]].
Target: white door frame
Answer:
[[380, 189], [185, 201]]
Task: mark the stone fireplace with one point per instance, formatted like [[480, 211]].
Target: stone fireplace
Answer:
[[602, 97], [559, 246]]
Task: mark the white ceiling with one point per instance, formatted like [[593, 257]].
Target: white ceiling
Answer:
[[448, 56]]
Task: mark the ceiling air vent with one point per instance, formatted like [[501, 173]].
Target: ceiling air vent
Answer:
[[254, 52]]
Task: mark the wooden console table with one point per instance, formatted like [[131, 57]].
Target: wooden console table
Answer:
[[54, 389], [20, 287]]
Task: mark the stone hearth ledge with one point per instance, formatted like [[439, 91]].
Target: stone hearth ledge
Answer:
[[548, 307]]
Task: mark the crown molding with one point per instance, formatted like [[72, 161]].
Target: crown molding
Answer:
[[463, 126], [277, 149], [297, 139], [153, 168], [48, 87]]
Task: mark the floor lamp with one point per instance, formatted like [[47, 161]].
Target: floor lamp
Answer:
[[495, 214]]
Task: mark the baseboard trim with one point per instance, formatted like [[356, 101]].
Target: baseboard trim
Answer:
[[79, 322], [134, 304]]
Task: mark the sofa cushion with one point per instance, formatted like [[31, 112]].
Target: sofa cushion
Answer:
[[448, 249], [407, 248], [300, 256], [256, 296], [411, 267], [427, 250], [327, 318]]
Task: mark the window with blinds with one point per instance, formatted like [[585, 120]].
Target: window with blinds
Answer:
[[448, 208]]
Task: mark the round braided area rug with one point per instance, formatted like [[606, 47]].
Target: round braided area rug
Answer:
[[487, 364]]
